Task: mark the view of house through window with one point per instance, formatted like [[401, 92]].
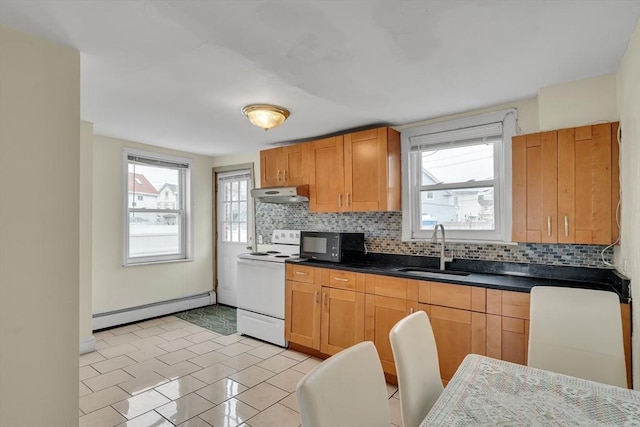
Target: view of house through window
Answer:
[[156, 210], [463, 205], [456, 173]]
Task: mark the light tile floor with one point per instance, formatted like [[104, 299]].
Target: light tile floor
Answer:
[[166, 372]]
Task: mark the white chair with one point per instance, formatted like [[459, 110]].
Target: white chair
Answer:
[[417, 365], [577, 332], [347, 389]]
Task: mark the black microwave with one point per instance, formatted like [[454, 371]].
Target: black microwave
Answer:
[[331, 246]]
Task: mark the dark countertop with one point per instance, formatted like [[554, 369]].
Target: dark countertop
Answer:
[[488, 274]]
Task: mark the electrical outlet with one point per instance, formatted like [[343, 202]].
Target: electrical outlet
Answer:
[[260, 238]]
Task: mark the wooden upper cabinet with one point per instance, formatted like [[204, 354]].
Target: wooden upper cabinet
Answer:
[[359, 171], [271, 167], [535, 188], [372, 170], [284, 166], [326, 175], [565, 186]]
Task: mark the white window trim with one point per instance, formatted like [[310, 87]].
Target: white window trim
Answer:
[[502, 177], [188, 216]]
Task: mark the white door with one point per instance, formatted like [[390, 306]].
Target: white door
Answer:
[[233, 229]]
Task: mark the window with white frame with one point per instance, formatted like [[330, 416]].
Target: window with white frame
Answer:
[[233, 193], [157, 228], [457, 174]]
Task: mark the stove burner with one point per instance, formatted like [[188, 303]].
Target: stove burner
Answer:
[[273, 252], [259, 253], [281, 256]]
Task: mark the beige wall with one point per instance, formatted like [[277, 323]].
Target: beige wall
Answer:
[[39, 207], [578, 103], [86, 179], [528, 120], [629, 252], [116, 287]]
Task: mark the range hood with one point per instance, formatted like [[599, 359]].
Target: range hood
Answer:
[[297, 194]]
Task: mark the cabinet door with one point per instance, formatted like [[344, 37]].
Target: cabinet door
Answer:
[[342, 319], [326, 176], [302, 313], [535, 188], [271, 168], [381, 314], [508, 325], [457, 333], [508, 338], [294, 163], [372, 172], [585, 185]]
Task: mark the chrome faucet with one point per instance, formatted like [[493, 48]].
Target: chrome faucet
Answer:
[[434, 239]]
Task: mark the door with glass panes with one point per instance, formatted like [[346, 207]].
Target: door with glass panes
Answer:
[[233, 229]]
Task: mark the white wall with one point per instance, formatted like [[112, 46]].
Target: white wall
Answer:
[[629, 251], [39, 233], [116, 287], [578, 103], [87, 342]]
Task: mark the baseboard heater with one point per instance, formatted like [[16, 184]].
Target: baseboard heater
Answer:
[[148, 311]]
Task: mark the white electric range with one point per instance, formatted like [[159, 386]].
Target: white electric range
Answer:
[[261, 279]]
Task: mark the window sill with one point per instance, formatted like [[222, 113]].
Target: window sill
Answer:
[[169, 261]]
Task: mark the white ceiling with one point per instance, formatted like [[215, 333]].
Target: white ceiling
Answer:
[[177, 73]]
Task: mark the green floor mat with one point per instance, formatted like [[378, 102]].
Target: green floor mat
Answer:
[[217, 318]]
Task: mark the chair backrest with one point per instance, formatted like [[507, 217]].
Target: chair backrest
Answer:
[[417, 365], [577, 332], [347, 389]]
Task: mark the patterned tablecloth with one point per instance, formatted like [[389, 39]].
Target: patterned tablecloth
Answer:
[[490, 392]]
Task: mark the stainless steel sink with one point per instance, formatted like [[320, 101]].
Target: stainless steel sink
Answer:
[[431, 272]]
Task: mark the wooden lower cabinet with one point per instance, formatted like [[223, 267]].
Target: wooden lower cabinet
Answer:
[[342, 320], [329, 310], [508, 325], [320, 317], [457, 333], [302, 313], [381, 314]]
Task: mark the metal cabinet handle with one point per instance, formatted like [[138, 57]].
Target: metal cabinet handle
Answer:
[[324, 299], [549, 225], [339, 200], [348, 199], [278, 176], [411, 310], [566, 225], [302, 273], [284, 178], [340, 279], [315, 296]]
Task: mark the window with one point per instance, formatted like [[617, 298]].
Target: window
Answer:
[[458, 174], [156, 231], [233, 193]]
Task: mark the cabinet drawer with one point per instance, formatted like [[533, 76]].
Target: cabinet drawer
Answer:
[[300, 273], [471, 298], [394, 287], [508, 303], [343, 280]]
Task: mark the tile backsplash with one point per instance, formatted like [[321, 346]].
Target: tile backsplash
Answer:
[[383, 231]]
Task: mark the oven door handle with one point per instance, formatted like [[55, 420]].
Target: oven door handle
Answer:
[[268, 264]]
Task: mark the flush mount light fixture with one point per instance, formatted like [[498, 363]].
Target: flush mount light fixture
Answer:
[[265, 116]]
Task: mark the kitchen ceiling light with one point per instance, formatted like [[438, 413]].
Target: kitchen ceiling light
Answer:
[[265, 116]]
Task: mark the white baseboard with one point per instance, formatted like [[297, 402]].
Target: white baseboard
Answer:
[[148, 311], [87, 345]]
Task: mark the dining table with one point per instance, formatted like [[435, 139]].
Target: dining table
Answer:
[[489, 392]]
